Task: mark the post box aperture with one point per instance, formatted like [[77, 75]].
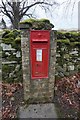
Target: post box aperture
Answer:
[[39, 53]]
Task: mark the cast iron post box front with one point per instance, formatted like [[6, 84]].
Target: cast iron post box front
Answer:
[[39, 53]]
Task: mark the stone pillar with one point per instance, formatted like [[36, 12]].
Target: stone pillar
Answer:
[[38, 90], [25, 63]]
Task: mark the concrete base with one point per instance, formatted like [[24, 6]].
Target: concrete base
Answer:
[[38, 111]]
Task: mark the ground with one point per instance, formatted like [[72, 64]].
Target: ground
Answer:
[[12, 97], [67, 97]]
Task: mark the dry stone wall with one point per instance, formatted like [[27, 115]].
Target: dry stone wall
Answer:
[[68, 53], [67, 56]]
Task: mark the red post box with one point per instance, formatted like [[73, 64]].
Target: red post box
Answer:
[[39, 53]]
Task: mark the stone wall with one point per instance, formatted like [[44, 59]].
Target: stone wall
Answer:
[[68, 53], [11, 56], [11, 64], [38, 90], [67, 56]]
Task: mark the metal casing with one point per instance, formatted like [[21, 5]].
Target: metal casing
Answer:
[[39, 53]]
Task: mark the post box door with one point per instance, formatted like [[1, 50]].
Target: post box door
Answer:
[[39, 53]]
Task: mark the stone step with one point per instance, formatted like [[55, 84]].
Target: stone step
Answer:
[[38, 111]]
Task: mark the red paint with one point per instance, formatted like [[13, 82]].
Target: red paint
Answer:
[[39, 53]]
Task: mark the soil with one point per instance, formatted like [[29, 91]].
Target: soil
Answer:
[[67, 98]]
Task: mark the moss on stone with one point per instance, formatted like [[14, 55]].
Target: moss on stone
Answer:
[[38, 24], [11, 36], [76, 34], [65, 41], [72, 40], [64, 34], [28, 21], [8, 40], [18, 40], [1, 33], [11, 33], [75, 44], [31, 20]]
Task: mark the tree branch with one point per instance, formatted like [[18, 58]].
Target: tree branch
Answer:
[[36, 3], [9, 3], [29, 15], [15, 10], [23, 7], [6, 11]]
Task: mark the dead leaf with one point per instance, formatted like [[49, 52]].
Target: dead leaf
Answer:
[[9, 94]]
